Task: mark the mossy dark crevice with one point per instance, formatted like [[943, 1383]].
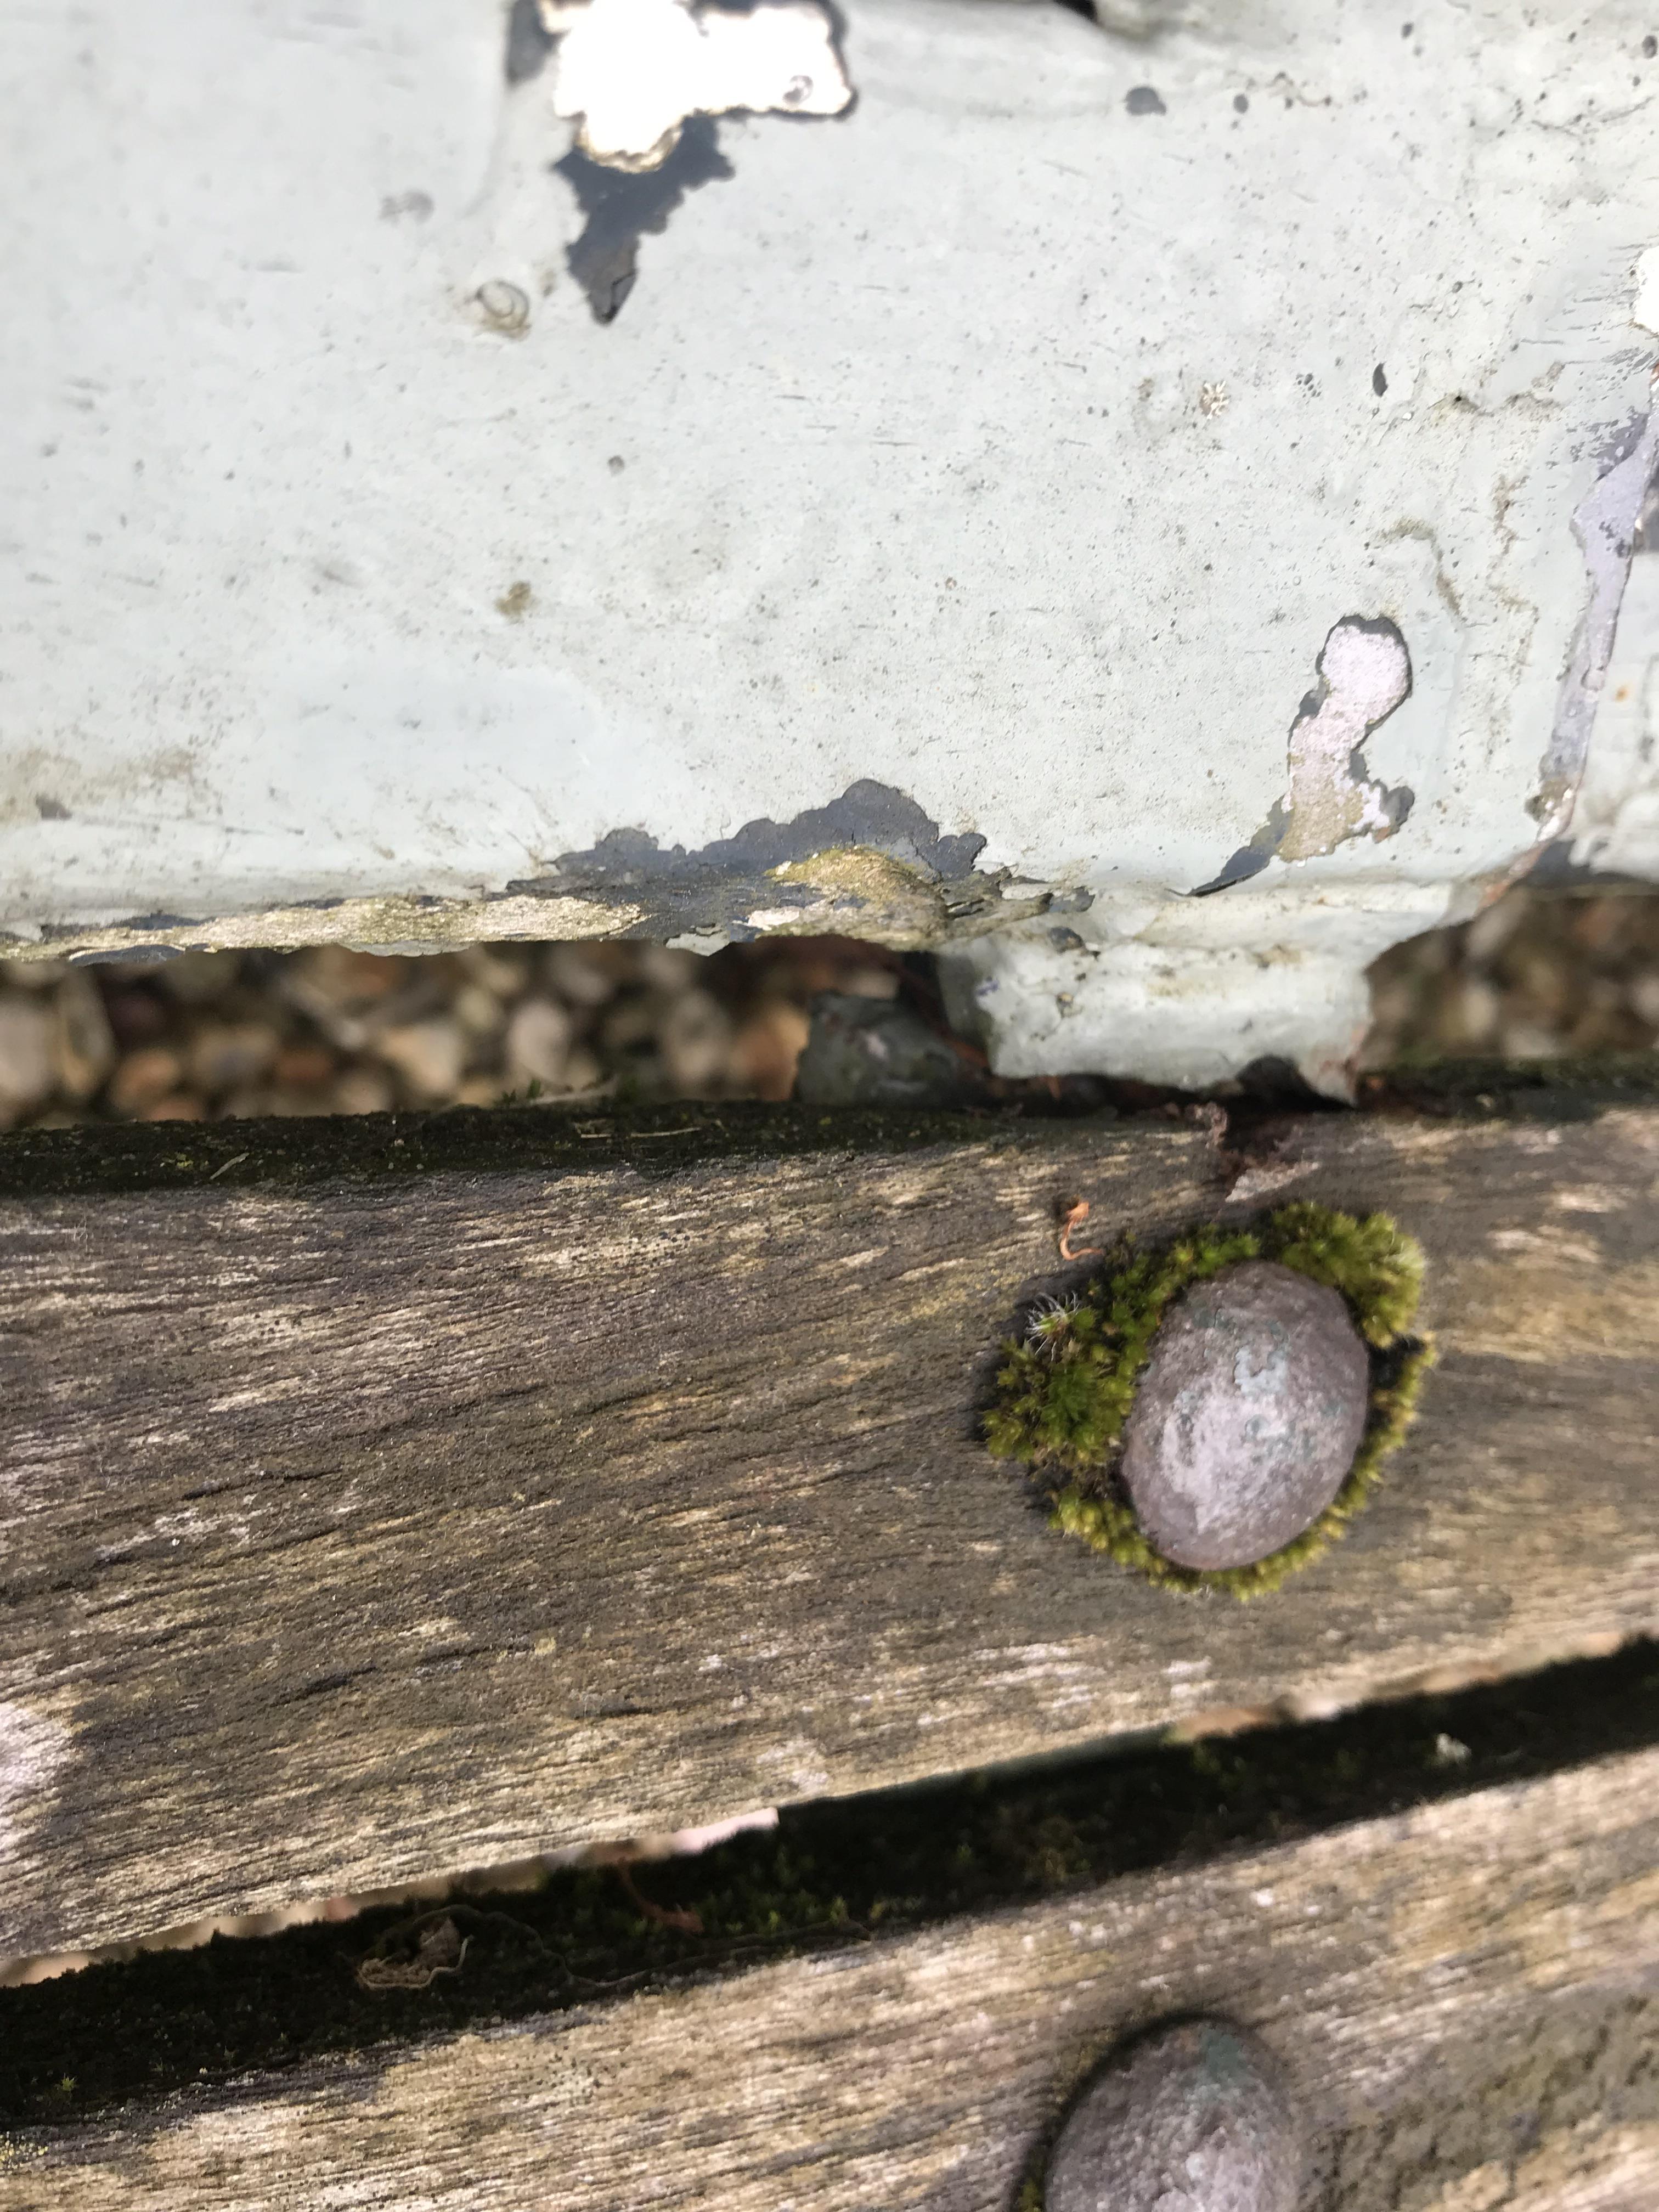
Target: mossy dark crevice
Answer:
[[1574, 1088], [302, 1152], [296, 1152], [1065, 1387], [837, 1872]]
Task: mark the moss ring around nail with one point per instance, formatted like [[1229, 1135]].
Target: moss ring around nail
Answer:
[[1214, 1413]]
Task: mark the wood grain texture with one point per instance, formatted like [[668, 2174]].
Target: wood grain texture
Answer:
[[1466, 1999], [350, 1536]]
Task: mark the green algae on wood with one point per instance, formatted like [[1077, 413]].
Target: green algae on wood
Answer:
[[1064, 1390]]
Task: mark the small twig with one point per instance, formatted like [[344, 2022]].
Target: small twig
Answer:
[[686, 1923], [1074, 1217], [225, 1166]]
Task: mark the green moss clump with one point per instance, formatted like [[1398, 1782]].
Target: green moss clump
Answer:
[[1064, 1390]]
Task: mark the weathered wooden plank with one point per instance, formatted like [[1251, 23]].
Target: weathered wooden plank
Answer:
[[352, 1533], [1465, 1996]]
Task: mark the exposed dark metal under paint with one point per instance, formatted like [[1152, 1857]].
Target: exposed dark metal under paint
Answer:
[[622, 204], [1250, 859], [529, 42]]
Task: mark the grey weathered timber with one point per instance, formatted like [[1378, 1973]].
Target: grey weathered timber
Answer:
[[351, 1534], [1465, 1999]]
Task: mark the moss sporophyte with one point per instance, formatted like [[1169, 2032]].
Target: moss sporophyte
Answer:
[[1070, 1380]]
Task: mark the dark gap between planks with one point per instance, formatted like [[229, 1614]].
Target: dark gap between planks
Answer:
[[296, 1152], [838, 1873]]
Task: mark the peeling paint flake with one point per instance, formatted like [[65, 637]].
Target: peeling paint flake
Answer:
[[635, 71], [1606, 523], [1364, 672]]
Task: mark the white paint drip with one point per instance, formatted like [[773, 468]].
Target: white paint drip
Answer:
[[633, 70]]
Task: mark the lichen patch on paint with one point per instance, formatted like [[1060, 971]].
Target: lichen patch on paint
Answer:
[[632, 72], [861, 892]]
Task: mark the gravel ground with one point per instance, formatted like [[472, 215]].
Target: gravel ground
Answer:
[[332, 1032], [1536, 974], [210, 1035]]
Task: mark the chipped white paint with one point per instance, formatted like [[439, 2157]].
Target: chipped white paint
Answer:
[[1363, 675], [1190, 990], [903, 464], [633, 71]]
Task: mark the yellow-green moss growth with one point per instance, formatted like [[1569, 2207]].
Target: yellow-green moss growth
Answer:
[[1064, 1390]]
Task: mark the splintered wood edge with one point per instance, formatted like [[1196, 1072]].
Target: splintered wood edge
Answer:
[[362, 1534], [1465, 1998]]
